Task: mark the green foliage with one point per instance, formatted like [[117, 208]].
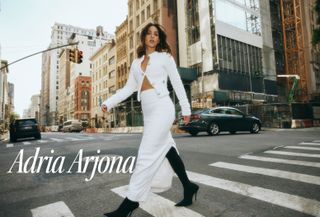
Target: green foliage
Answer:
[[13, 116], [317, 9]]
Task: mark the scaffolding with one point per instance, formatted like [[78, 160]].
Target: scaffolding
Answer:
[[291, 14]]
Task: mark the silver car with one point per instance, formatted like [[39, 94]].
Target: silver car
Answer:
[[72, 126]]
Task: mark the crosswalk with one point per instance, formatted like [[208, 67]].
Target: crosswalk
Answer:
[[66, 139], [304, 155]]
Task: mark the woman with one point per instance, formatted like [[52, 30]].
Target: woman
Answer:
[[157, 152]]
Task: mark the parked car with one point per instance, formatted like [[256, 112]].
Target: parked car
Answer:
[[23, 128], [72, 126], [215, 120]]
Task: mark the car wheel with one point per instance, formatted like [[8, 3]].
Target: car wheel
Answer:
[[232, 132], [13, 139], [194, 133], [214, 129], [38, 136], [255, 128]]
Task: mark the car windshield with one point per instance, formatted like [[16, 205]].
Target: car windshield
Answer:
[[201, 111], [26, 122]]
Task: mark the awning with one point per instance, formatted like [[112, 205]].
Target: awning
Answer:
[[220, 96], [187, 74]]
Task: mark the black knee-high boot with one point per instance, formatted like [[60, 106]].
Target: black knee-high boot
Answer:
[[125, 209], [189, 188]]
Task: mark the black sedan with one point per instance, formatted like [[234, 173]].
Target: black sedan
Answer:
[[215, 120], [23, 128]]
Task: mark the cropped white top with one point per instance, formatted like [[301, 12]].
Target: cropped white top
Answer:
[[161, 65]]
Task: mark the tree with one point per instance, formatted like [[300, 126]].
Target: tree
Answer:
[[316, 31], [13, 116]]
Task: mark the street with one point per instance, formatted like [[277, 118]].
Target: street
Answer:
[[271, 174]]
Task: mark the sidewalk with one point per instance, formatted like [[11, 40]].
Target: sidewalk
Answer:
[[4, 136]]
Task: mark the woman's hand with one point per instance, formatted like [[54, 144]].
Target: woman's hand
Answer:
[[104, 108], [186, 119]]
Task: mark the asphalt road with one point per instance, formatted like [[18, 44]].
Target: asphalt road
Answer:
[[275, 173]]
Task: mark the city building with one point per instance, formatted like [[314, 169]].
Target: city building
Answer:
[[82, 98], [122, 70], [45, 117], [4, 107], [60, 35], [34, 108], [293, 24], [229, 44], [141, 13], [103, 82], [64, 85], [88, 46]]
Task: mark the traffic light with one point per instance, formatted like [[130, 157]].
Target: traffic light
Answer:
[[72, 55], [79, 56]]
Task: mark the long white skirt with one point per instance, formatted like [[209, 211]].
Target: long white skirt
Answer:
[[152, 170]]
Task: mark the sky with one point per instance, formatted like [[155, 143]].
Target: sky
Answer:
[[25, 28]]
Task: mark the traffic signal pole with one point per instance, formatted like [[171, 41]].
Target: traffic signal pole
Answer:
[[43, 51]]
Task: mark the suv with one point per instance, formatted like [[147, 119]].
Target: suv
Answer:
[[72, 126], [22, 128]]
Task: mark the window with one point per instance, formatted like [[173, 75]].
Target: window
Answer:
[[111, 74], [148, 11], [111, 60], [137, 4], [193, 25], [142, 16], [112, 89], [137, 21], [130, 10], [131, 25], [131, 42], [155, 5]]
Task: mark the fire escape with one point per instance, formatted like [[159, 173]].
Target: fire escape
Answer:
[[293, 46]]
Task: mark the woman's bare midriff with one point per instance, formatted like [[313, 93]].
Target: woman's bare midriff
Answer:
[[145, 84]]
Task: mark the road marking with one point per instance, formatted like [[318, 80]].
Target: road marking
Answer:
[[298, 203], [270, 172], [57, 140], [279, 160], [42, 141], [9, 145], [58, 209], [73, 139], [108, 139], [159, 206], [302, 148], [293, 154], [308, 143], [26, 143]]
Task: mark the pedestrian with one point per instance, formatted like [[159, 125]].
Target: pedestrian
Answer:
[[157, 154]]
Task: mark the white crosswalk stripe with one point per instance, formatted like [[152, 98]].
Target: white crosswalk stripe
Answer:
[[270, 172], [282, 161], [298, 203], [9, 145], [58, 209], [159, 206], [293, 154], [73, 139], [302, 148], [26, 143], [308, 143], [57, 140], [42, 141]]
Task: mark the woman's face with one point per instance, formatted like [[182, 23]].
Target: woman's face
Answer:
[[152, 38]]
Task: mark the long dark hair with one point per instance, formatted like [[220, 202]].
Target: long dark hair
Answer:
[[163, 46]]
